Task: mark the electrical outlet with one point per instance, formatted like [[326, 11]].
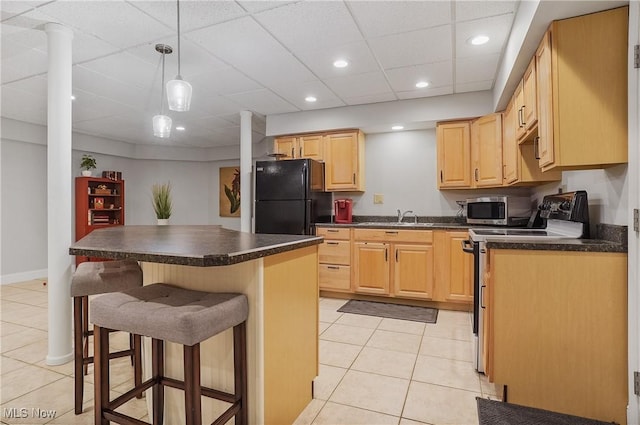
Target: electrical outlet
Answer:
[[378, 198]]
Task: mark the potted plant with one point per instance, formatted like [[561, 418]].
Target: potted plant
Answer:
[[87, 164], [161, 199]]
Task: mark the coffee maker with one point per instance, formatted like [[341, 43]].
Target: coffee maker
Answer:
[[342, 210]]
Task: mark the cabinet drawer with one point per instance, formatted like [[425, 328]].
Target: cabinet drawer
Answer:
[[342, 233], [392, 235], [335, 277], [335, 252]]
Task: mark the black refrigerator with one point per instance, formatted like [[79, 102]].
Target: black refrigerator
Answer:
[[290, 197]]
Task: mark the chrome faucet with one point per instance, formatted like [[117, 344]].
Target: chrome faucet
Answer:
[[401, 216]]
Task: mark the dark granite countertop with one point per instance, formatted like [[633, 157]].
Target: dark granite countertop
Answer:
[[202, 246], [582, 245], [391, 222]]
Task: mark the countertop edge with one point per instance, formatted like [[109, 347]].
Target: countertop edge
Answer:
[[575, 245]]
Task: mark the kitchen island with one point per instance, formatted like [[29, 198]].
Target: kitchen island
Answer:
[[279, 276]]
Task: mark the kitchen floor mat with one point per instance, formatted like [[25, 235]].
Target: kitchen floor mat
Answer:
[[391, 311], [492, 412]]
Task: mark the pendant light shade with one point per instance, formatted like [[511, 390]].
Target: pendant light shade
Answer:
[[179, 94], [162, 126], [161, 122], [178, 90]]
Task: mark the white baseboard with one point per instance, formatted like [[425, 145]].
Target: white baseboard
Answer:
[[7, 279]]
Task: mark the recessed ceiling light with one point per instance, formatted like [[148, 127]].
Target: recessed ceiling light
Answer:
[[422, 84], [397, 127], [180, 128], [341, 63], [310, 99], [479, 40], [73, 97]]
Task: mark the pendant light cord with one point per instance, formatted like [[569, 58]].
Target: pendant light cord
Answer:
[[178, 6], [162, 83]]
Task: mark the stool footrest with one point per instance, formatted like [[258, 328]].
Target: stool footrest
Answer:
[[121, 419], [119, 401], [114, 355], [205, 391], [228, 414]]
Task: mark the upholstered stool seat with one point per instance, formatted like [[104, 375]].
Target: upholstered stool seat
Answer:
[[93, 278], [167, 313]]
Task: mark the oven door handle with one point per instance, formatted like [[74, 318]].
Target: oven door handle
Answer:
[[482, 289], [467, 246]]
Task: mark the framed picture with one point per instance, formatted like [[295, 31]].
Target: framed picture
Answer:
[[230, 191]]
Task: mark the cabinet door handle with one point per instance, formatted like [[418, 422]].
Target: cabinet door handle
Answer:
[[332, 243], [396, 255], [292, 153], [440, 176], [504, 171], [332, 230], [333, 267], [475, 173], [354, 178], [386, 254], [536, 142], [524, 124], [520, 120], [482, 289], [391, 232], [300, 151]]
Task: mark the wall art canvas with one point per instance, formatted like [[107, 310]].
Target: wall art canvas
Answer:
[[229, 191]]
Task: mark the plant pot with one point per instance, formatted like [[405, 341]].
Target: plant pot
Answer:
[[86, 173], [163, 221]]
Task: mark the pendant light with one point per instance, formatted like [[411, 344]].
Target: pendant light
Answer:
[[162, 123], [178, 90]]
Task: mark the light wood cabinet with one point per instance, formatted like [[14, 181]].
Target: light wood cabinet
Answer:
[[304, 146], [344, 165], [454, 268], [396, 263], [486, 150], [582, 92], [526, 107], [558, 339], [520, 166], [334, 256], [454, 154]]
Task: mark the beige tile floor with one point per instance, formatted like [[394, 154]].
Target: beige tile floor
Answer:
[[372, 370]]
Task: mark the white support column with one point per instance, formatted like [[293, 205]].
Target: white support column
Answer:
[[59, 182], [246, 176]]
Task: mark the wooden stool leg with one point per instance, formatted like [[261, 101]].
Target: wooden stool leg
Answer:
[[85, 331], [240, 371], [137, 361], [101, 374], [192, 391], [78, 362], [157, 369]]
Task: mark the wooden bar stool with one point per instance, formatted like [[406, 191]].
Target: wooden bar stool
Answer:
[[93, 278], [167, 313]]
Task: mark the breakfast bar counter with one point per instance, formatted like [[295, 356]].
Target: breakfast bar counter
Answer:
[[279, 276]]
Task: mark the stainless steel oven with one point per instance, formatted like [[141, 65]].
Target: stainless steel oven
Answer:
[[566, 215]]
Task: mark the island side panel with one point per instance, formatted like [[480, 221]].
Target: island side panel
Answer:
[[560, 330], [290, 333], [216, 352]]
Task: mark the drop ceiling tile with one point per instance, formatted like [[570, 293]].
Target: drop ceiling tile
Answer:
[[358, 55], [436, 74], [297, 92], [496, 28], [373, 98], [224, 81], [203, 104], [22, 101], [11, 8], [435, 91], [413, 48], [17, 30], [260, 5], [377, 18], [126, 68], [193, 14], [98, 84], [115, 22], [263, 101], [310, 24], [474, 86], [467, 10], [207, 124], [481, 68], [35, 86], [351, 86], [26, 64], [89, 107], [253, 51]]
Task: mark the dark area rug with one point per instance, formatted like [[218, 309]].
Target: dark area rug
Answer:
[[491, 412], [391, 311]]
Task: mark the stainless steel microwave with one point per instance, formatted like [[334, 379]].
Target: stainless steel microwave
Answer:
[[499, 210]]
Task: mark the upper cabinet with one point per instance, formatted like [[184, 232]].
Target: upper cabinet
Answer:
[[581, 68], [486, 150], [342, 153], [526, 103], [454, 154], [305, 146]]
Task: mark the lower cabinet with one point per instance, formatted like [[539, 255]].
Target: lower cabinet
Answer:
[[334, 256], [371, 268], [413, 271], [454, 268]]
